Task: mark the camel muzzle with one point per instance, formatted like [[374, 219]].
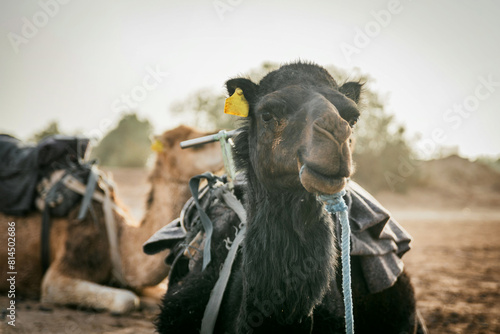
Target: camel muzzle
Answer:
[[325, 159]]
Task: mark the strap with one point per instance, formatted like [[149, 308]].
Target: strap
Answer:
[[194, 184], [112, 237], [213, 306], [234, 204], [108, 206], [46, 225], [45, 239], [89, 191], [73, 184]]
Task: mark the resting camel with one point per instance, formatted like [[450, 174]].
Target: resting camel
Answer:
[[80, 271], [285, 278]]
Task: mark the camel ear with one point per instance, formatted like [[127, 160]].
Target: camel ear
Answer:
[[352, 90], [169, 140], [247, 86], [157, 145]]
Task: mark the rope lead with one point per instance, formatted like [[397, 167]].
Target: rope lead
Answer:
[[335, 204]]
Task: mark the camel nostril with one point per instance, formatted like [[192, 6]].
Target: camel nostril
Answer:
[[333, 129], [327, 117], [323, 131], [342, 131]]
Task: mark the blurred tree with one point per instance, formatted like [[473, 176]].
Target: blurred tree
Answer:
[[50, 130], [383, 155], [491, 161], [127, 145], [207, 105]]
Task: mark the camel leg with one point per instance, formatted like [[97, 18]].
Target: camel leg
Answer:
[[63, 290]]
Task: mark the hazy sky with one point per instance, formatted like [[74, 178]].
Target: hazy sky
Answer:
[[82, 62]]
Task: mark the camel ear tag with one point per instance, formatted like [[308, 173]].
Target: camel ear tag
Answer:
[[237, 104], [157, 146]]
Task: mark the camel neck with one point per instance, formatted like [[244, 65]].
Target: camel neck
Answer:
[[293, 241], [164, 204], [164, 196]]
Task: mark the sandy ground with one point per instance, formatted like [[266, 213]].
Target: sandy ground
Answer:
[[454, 262]]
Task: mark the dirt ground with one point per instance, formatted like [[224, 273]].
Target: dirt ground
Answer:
[[454, 262]]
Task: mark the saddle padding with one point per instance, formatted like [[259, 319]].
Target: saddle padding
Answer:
[[22, 166]]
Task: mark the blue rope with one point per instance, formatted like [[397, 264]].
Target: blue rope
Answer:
[[335, 203]]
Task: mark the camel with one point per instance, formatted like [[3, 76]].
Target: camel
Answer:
[[293, 146], [80, 271]]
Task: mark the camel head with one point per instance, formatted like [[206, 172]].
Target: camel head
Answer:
[[172, 162], [298, 129]]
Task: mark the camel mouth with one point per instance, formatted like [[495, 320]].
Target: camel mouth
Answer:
[[316, 182]]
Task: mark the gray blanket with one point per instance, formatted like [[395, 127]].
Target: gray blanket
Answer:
[[376, 238]]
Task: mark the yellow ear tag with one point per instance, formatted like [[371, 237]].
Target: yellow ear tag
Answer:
[[237, 104], [157, 146]]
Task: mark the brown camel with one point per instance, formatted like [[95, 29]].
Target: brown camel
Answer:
[[80, 271]]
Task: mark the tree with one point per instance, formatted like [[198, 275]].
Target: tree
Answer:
[[51, 129], [205, 107], [127, 145], [208, 105], [491, 161], [383, 155]]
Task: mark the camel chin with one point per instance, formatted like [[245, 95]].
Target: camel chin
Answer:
[[317, 183]]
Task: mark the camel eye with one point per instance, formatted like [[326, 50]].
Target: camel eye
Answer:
[[353, 122], [266, 116]]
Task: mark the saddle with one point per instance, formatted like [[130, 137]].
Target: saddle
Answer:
[[24, 168], [34, 176], [190, 236]]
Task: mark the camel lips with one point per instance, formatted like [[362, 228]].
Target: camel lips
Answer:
[[315, 182]]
